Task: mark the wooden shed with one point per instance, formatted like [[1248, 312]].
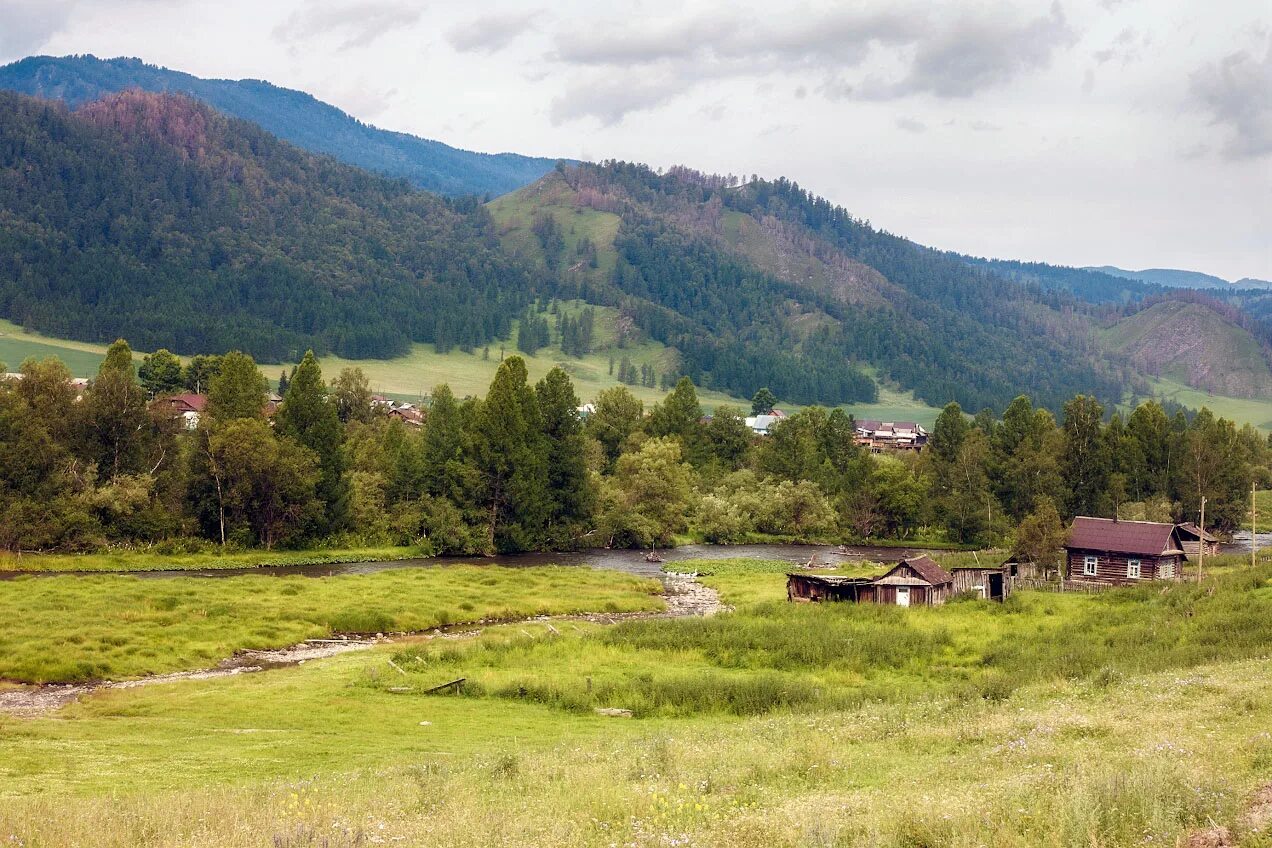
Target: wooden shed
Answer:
[[1106, 550], [824, 587], [992, 584], [1192, 537]]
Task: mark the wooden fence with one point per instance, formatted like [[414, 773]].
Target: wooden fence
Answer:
[[1056, 586]]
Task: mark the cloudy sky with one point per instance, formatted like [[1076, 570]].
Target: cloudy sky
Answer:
[[1127, 132]]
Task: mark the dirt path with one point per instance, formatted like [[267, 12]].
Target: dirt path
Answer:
[[684, 595]]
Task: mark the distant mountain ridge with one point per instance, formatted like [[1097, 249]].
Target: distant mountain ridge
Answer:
[[293, 116], [1179, 279]]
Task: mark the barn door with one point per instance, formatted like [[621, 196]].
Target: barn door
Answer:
[[995, 587], [903, 596]]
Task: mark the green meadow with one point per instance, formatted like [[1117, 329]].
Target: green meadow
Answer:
[[71, 628], [1135, 717]]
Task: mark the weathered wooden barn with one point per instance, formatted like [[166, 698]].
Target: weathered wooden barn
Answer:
[[917, 581], [1106, 550], [1192, 537]]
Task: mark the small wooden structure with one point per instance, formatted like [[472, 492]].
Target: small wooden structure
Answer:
[[1192, 537], [1106, 550], [992, 584], [824, 587], [917, 581]]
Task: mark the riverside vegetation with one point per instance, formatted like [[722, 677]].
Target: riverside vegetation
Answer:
[[107, 471], [1132, 717]]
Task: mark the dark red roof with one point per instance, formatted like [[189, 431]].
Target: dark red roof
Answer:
[[927, 568], [193, 401], [1149, 538]]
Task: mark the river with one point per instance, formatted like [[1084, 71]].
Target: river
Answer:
[[627, 561]]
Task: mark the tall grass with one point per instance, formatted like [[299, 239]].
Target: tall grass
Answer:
[[770, 656]]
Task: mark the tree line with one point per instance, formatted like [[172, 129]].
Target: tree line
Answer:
[[521, 469]]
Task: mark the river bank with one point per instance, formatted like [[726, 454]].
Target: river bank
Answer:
[[344, 562]]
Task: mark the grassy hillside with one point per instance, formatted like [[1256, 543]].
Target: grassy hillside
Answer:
[[470, 373], [1191, 344], [1255, 411]]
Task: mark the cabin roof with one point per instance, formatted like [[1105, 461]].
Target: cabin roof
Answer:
[[1192, 530], [1147, 538], [924, 566]]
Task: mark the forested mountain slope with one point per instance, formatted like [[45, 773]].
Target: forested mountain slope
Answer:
[[764, 283], [294, 116], [1195, 345], [156, 218]]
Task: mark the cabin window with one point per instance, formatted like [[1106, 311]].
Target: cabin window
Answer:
[[1133, 568], [1089, 565], [1168, 568]]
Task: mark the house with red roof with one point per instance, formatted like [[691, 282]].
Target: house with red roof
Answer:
[[1111, 551]]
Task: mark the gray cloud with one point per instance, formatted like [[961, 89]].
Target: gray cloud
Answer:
[[492, 33], [976, 52], [1235, 93], [944, 52], [909, 124], [360, 23], [609, 100], [27, 25]]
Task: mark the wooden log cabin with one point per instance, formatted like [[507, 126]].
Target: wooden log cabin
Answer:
[[1109, 551], [917, 581], [1192, 537]]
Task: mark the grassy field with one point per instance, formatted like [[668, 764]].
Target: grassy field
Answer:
[[123, 560], [416, 374], [1123, 719], [1255, 411], [64, 629]]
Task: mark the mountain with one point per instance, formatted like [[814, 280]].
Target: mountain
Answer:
[[1092, 285], [157, 218], [293, 116], [1193, 344], [766, 284], [1174, 278], [1168, 277]]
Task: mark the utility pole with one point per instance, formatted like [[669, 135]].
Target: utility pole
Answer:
[[1254, 525], [1201, 541]]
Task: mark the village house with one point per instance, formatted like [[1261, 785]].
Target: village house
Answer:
[[1110, 551], [760, 424], [1192, 537], [186, 407], [407, 413], [878, 436], [917, 581]]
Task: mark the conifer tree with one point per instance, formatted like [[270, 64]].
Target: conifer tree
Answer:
[[115, 416], [570, 488], [309, 416], [511, 457]]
